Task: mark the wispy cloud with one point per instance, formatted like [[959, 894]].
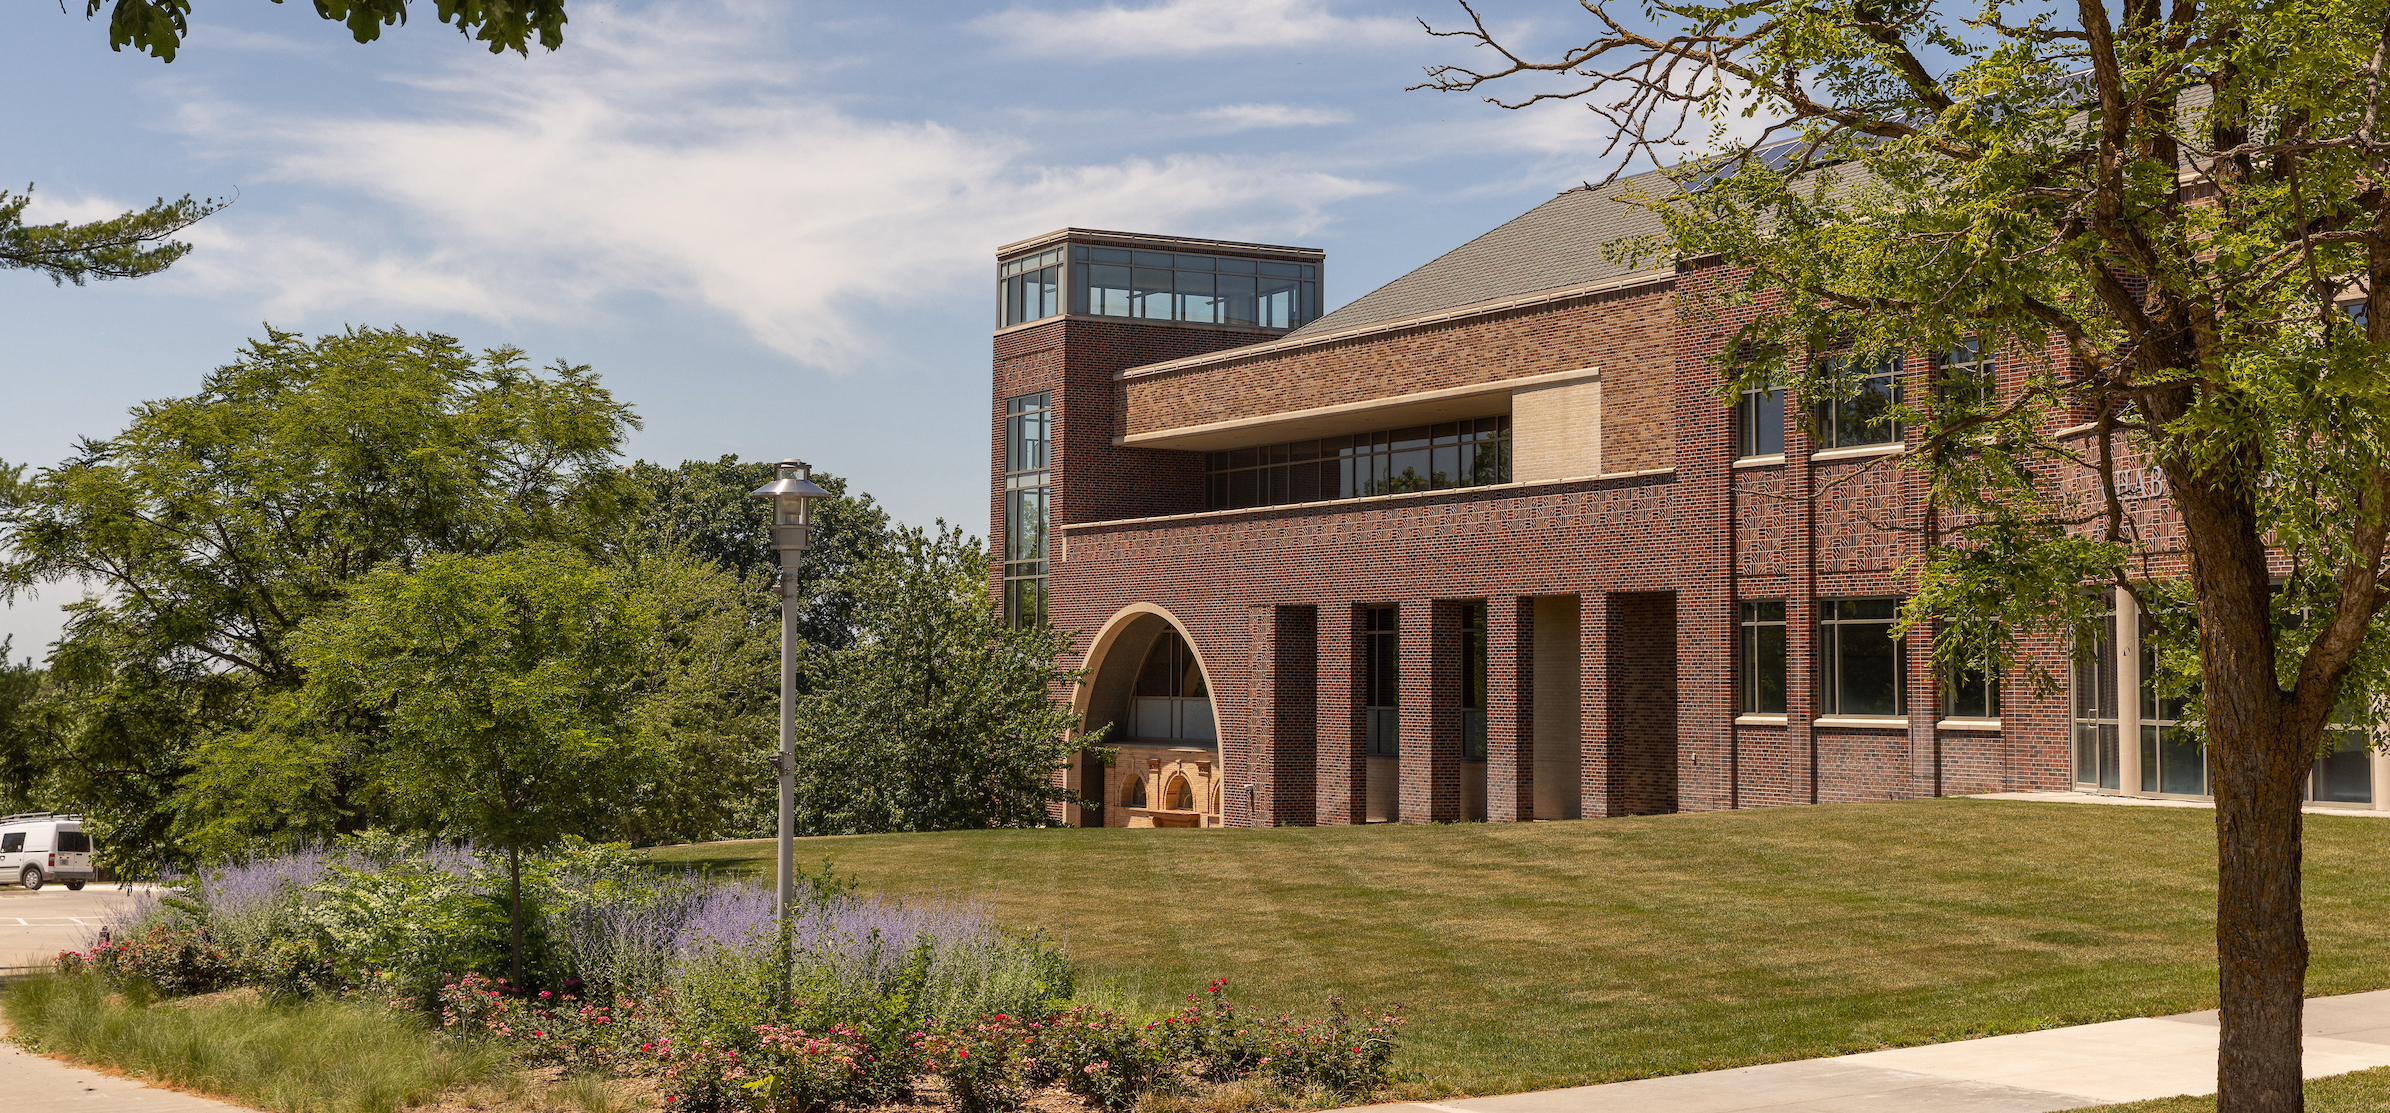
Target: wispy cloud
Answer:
[[1240, 117], [653, 160], [1188, 27]]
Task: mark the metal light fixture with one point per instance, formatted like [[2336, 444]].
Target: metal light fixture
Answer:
[[792, 496]]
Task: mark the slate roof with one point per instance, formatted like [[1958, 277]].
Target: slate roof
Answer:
[[1553, 245]]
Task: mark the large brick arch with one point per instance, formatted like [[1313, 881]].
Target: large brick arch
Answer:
[[1113, 657]]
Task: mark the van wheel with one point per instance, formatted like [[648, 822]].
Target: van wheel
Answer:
[[74, 886], [31, 878]]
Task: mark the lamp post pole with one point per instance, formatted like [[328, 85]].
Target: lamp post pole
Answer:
[[792, 494]]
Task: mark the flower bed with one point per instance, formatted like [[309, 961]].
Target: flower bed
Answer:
[[688, 983]]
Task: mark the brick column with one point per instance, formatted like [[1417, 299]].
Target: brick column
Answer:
[[1593, 705], [1431, 712], [1343, 769], [1289, 793], [1705, 624], [1509, 708]]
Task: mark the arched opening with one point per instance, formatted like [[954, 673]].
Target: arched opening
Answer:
[[1171, 703], [1147, 683]]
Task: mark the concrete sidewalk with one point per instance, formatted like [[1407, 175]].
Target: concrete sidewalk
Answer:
[[32, 1084], [2032, 1072]]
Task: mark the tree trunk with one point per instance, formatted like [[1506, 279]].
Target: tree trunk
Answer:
[[2257, 765], [2261, 944], [514, 917]]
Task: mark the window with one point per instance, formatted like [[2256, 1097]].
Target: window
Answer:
[[1171, 703], [2096, 709], [1199, 289], [12, 842], [74, 842], [2172, 759], [1965, 378], [1759, 422], [1859, 661], [1132, 792], [2344, 775], [1759, 658], [1029, 289], [1423, 458], [1028, 439], [1970, 690], [1178, 797], [1866, 417], [1381, 657], [1473, 682]]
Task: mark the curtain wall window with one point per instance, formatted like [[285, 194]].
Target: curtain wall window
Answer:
[[1028, 443], [2096, 710]]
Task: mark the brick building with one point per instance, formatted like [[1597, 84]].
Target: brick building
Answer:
[[1484, 544]]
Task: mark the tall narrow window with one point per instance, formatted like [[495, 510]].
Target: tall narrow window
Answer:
[[1759, 422], [1473, 682], [1759, 658], [1965, 378], [1970, 690], [2172, 758], [1859, 661], [1380, 682], [2344, 774], [1866, 416], [1028, 440], [2096, 709]]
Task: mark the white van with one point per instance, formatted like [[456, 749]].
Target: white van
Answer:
[[38, 847]]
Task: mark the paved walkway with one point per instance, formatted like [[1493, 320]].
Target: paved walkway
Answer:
[[32, 1084], [2032, 1072]]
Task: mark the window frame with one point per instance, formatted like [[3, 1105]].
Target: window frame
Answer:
[[1028, 506], [1835, 428], [1381, 629], [1832, 670], [1970, 384], [1752, 625], [1752, 429]]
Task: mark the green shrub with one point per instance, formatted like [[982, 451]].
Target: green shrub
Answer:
[[176, 961]]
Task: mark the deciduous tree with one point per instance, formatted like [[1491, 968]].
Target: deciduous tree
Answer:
[[507, 682], [2179, 205], [158, 26], [213, 526], [938, 717]]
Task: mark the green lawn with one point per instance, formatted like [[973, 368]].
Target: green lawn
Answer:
[[2366, 1091], [1553, 954]]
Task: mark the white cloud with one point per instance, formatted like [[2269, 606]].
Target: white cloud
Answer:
[[660, 157], [1239, 117], [1189, 27]]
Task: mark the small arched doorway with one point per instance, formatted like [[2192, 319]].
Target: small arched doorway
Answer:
[[1146, 681]]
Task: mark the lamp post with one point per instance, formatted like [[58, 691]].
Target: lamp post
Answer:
[[792, 495]]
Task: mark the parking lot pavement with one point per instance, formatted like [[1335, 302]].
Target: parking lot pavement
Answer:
[[35, 926]]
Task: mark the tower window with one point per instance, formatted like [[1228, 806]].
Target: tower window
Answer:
[[1028, 443], [1196, 289], [1029, 289]]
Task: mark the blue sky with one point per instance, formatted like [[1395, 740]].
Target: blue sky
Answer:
[[768, 226]]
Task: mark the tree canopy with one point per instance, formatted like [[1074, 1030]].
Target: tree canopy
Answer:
[[2167, 221], [938, 716], [157, 27], [215, 525], [128, 246]]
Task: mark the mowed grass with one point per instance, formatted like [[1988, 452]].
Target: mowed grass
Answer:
[[2365, 1091], [1555, 954]]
